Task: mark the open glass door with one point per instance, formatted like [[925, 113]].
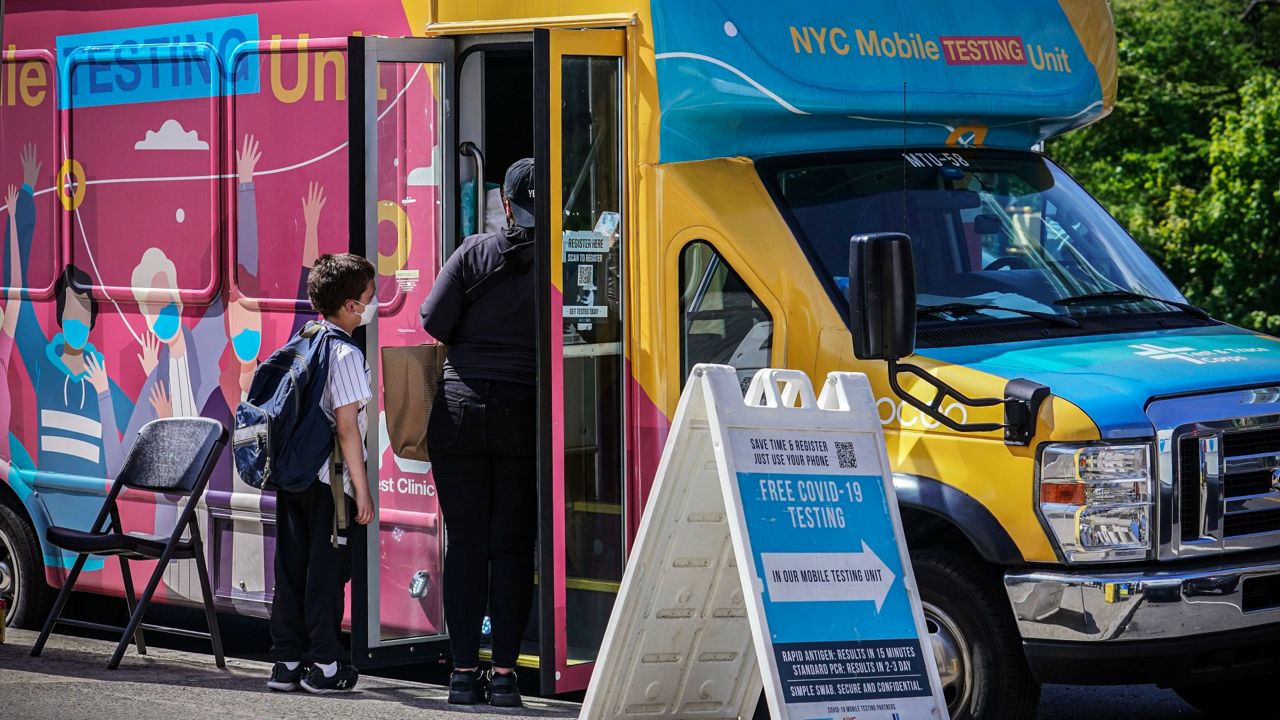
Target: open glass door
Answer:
[[579, 83], [400, 126]]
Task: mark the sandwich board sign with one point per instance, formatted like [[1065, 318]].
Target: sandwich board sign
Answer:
[[771, 552]]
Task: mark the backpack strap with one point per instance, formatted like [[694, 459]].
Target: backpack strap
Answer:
[[337, 479], [516, 258], [337, 489], [311, 329]]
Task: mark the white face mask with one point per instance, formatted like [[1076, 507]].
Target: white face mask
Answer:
[[369, 313]]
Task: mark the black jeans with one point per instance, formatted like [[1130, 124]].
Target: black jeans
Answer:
[[306, 610], [481, 436]]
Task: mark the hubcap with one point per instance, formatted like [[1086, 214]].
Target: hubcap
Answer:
[[951, 653], [8, 576]]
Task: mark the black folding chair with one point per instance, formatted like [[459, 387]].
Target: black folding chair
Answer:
[[170, 456]]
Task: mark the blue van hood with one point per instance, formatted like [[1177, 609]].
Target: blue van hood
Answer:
[[1112, 377]]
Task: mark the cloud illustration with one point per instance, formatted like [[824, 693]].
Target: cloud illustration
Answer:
[[425, 175], [422, 176], [171, 136]]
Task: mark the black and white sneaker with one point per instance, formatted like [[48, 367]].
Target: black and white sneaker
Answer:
[[504, 690], [344, 680], [467, 687], [285, 680]]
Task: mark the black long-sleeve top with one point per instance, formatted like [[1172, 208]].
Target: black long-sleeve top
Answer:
[[490, 327]]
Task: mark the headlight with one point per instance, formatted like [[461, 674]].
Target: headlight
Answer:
[[1096, 500]]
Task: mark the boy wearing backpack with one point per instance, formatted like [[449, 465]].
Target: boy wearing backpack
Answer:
[[313, 561]]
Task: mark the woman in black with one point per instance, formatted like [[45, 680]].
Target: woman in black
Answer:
[[481, 437]]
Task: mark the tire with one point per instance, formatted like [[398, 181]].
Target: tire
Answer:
[[984, 672], [22, 582], [1237, 698]]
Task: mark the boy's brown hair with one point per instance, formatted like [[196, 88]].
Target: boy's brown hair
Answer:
[[337, 278]]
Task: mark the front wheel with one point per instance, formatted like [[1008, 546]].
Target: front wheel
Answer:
[[1251, 697], [975, 641], [27, 597]]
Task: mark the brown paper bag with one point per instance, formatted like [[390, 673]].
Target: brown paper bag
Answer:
[[410, 376]]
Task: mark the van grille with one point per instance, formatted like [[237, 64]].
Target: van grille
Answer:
[[1254, 482], [1218, 466], [1189, 486], [1234, 475], [1251, 442], [1250, 523]]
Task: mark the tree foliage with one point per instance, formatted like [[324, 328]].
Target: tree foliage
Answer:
[[1189, 161]]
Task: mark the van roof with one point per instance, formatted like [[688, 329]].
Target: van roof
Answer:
[[762, 77]]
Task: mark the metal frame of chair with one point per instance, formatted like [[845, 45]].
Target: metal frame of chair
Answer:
[[107, 536]]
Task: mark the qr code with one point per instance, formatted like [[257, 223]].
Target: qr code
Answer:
[[845, 455], [586, 274]]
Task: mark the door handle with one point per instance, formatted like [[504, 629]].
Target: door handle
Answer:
[[471, 150]]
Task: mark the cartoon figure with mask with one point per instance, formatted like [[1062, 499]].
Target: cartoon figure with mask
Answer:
[[79, 409], [247, 585], [181, 365]]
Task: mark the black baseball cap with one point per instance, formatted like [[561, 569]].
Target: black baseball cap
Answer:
[[517, 186]]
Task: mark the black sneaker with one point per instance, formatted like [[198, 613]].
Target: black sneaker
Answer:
[[344, 680], [504, 691], [467, 687], [285, 680]]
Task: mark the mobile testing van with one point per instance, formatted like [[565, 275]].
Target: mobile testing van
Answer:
[[1091, 498]]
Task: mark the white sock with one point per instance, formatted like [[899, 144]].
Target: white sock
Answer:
[[291, 666], [329, 669]]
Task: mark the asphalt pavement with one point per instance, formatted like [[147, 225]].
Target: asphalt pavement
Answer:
[[70, 680], [177, 680]]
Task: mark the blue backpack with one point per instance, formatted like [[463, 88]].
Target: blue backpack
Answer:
[[282, 437]]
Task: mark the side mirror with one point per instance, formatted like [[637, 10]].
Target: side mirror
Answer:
[[882, 296], [882, 315]]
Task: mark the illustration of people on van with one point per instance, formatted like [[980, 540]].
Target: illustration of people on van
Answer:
[[181, 367], [247, 247], [244, 326], [244, 323], [80, 411], [181, 364], [8, 329], [24, 222]]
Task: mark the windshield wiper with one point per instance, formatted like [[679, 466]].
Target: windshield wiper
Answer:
[[1129, 296], [965, 307]]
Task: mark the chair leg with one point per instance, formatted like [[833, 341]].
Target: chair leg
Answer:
[[56, 612], [211, 614], [135, 619], [131, 601]]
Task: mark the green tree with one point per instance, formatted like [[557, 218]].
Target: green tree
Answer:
[[1180, 65], [1225, 239], [1164, 151]]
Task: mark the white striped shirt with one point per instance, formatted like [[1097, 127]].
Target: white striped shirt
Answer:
[[348, 383]]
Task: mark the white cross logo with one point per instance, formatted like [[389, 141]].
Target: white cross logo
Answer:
[[1156, 352]]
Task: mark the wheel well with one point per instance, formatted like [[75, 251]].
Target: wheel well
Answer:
[[934, 513], [928, 530], [10, 499]]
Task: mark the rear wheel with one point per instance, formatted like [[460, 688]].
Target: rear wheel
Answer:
[[1251, 697], [975, 642], [22, 585]]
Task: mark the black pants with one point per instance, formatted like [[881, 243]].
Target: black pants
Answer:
[[481, 437], [306, 611]]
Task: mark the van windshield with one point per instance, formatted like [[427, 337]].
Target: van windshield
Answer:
[[998, 229]]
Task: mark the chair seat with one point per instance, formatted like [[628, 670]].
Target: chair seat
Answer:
[[130, 545]]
